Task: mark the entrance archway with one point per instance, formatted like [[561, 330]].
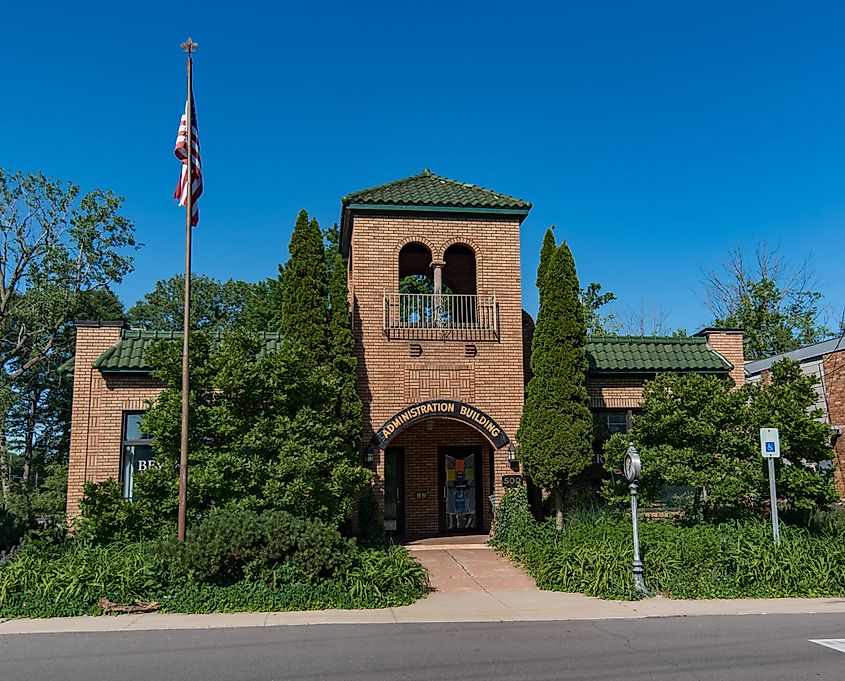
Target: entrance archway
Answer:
[[443, 409], [437, 478]]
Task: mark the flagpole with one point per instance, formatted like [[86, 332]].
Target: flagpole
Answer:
[[189, 46]]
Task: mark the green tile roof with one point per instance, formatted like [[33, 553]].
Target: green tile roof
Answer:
[[127, 355], [605, 354], [653, 354], [430, 190]]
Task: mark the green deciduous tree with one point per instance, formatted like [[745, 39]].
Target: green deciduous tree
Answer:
[[597, 322], [555, 433], [262, 309], [38, 422], [788, 404], [215, 305], [774, 303], [698, 433], [57, 247]]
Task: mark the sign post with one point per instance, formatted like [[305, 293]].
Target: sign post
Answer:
[[632, 468], [770, 449]]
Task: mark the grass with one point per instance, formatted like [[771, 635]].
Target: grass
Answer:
[[68, 579], [726, 560]]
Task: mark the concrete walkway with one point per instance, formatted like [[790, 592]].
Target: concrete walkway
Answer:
[[471, 584], [468, 567]]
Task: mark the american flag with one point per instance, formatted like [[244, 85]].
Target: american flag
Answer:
[[181, 151]]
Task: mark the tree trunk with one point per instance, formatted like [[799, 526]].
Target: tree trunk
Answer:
[[4, 467], [559, 510], [29, 445]]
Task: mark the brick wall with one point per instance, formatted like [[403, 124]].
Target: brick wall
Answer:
[[388, 377], [616, 392], [834, 386], [98, 405]]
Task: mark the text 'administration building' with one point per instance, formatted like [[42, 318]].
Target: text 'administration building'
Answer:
[[442, 345]]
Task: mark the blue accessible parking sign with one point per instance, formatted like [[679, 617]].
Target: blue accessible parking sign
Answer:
[[770, 443]]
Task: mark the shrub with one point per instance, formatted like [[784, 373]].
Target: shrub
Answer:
[[49, 501], [370, 519], [12, 529], [701, 433], [108, 517], [513, 524], [273, 546]]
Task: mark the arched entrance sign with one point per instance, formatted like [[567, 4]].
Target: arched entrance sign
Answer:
[[444, 409]]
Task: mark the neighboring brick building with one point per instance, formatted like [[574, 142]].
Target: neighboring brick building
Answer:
[[104, 407], [826, 362], [441, 342]]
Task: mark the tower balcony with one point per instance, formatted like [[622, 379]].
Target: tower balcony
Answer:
[[441, 317]]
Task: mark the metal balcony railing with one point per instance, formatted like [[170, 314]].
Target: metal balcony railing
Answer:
[[441, 316]]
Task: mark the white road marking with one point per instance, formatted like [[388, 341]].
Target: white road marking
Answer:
[[835, 643]]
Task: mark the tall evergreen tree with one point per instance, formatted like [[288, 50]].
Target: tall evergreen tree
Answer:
[[555, 433], [294, 414], [305, 310], [342, 351], [546, 255]]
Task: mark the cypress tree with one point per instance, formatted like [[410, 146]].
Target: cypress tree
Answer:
[[555, 433], [546, 254], [305, 312], [342, 352]]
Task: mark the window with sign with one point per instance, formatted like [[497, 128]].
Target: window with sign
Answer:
[[605, 423], [136, 452]]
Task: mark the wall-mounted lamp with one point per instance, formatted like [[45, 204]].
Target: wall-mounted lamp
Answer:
[[368, 454], [511, 453]]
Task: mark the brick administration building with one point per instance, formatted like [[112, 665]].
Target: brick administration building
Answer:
[[442, 345]]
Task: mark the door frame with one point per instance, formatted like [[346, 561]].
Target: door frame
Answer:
[[399, 455], [478, 451]]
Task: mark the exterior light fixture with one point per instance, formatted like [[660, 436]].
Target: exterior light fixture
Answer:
[[368, 454], [511, 453]]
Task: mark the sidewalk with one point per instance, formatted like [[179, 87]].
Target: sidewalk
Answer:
[[476, 606], [471, 584]]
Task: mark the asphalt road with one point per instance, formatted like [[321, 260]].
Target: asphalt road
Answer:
[[738, 648]]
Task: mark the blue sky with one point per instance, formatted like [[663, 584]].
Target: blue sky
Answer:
[[655, 135]]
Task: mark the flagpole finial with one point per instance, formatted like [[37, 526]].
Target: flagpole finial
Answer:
[[189, 46]]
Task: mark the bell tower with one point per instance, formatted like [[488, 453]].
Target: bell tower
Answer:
[[434, 283]]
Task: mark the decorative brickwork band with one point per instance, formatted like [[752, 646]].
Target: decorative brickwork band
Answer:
[[448, 409]]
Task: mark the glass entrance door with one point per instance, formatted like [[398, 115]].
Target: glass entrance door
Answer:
[[460, 479], [394, 470]]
